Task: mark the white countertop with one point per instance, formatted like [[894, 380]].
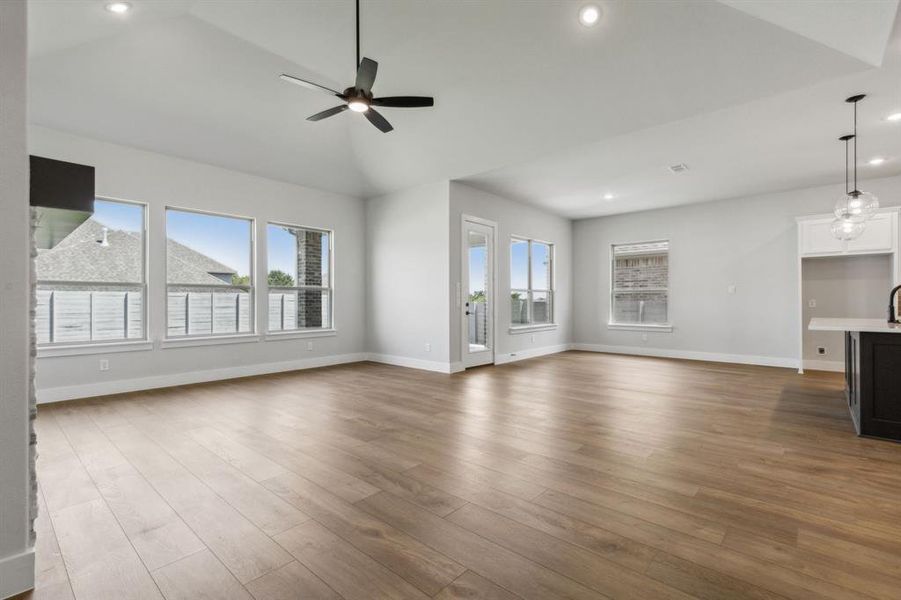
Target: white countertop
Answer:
[[869, 325]]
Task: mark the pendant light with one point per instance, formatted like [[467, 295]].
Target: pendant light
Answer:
[[855, 207]]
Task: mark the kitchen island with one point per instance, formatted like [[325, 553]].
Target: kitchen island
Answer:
[[872, 373]]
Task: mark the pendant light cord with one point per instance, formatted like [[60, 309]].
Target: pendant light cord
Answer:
[[357, 66], [847, 191], [855, 144]]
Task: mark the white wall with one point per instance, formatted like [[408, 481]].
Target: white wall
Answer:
[[159, 181], [841, 286], [747, 242], [16, 554], [407, 277], [512, 218]]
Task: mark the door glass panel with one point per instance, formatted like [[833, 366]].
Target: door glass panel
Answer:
[[477, 286]]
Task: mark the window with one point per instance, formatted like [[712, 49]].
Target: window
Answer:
[[531, 282], [300, 278], [640, 282], [209, 274], [90, 284]]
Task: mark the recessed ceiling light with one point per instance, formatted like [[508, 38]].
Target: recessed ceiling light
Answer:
[[119, 8], [589, 15], [609, 196], [894, 117], [876, 160]]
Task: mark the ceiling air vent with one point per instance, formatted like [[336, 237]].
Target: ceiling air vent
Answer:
[[681, 167]]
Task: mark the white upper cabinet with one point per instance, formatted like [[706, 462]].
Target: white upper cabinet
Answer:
[[880, 236]]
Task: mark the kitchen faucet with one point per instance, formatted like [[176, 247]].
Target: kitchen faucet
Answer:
[[891, 304]]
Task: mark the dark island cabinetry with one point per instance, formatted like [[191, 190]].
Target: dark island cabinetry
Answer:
[[873, 383]]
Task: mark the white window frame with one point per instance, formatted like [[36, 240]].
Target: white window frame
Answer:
[[49, 349], [174, 341], [330, 288], [551, 294], [614, 325]]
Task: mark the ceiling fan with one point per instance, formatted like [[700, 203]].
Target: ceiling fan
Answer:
[[358, 97]]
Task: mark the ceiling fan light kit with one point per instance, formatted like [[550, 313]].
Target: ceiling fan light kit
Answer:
[[358, 98], [855, 208]]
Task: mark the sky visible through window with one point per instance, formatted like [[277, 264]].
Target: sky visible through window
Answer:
[[519, 265], [283, 250], [541, 259], [224, 239], [117, 215]]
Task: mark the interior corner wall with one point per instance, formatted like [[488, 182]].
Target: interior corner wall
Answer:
[[522, 220], [846, 286], [407, 277], [750, 243], [160, 181], [16, 460]]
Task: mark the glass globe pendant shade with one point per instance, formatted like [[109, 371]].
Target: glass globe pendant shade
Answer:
[[847, 229], [868, 202], [850, 208]]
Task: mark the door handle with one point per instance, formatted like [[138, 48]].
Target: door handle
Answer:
[[468, 313]]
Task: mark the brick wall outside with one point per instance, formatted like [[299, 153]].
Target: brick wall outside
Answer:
[[634, 279], [309, 272], [640, 272]]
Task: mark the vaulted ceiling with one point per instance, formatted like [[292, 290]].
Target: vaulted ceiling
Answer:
[[528, 102]]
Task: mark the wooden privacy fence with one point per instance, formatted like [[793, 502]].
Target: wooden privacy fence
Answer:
[[197, 310], [478, 323], [69, 313], [77, 315]]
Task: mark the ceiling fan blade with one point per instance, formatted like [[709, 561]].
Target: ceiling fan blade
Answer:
[[366, 74], [310, 85], [327, 113], [404, 101], [378, 120]]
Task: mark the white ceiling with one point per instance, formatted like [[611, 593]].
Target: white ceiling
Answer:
[[528, 102]]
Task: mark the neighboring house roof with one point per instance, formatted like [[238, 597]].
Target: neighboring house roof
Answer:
[[82, 257]]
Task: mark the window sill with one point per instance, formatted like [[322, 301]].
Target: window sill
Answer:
[[94, 348], [514, 329], [640, 327], [213, 340], [300, 333]]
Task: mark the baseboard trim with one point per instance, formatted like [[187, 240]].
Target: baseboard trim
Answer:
[[416, 363], [74, 392], [105, 388], [837, 366], [741, 359], [17, 574], [501, 359]]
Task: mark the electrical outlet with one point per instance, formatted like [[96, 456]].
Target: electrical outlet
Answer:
[[821, 350], [428, 347], [532, 338], [104, 364], [309, 346], [812, 303], [644, 337]]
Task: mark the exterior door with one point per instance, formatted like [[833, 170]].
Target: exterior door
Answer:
[[478, 293]]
